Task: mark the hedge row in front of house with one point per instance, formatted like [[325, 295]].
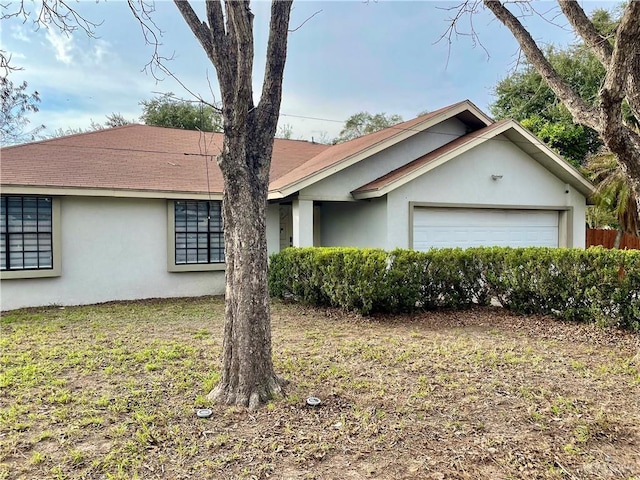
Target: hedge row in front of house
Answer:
[[597, 284]]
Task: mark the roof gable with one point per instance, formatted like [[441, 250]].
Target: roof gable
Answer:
[[343, 155], [515, 132]]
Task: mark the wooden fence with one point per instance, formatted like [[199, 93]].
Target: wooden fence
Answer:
[[607, 237]]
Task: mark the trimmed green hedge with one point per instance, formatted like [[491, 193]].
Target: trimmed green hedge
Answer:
[[585, 285]]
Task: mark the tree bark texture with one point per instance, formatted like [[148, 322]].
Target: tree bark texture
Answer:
[[247, 377], [622, 81]]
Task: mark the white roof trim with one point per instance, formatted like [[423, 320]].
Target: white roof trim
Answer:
[[105, 192], [315, 177], [573, 176]]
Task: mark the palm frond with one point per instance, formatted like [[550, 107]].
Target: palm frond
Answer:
[[613, 191]]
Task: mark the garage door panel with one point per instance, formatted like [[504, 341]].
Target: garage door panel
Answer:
[[458, 227]]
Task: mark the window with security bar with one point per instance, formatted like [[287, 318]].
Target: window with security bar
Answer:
[[26, 241], [199, 238]]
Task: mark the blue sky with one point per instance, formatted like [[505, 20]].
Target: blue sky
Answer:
[[351, 56]]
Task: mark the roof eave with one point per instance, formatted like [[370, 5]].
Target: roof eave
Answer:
[[368, 194], [434, 163], [12, 189]]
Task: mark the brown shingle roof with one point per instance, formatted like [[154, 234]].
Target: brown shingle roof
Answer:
[[135, 157]]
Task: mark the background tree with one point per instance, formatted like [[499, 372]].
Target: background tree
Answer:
[[116, 120], [363, 123], [613, 193], [17, 103], [285, 131], [168, 111], [526, 97], [247, 376], [113, 120], [619, 55]]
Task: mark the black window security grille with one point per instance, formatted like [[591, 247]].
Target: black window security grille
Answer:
[[198, 231], [26, 241]]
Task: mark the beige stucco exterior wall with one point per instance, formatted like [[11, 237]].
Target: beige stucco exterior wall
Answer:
[[467, 181], [361, 224], [273, 228], [112, 249]]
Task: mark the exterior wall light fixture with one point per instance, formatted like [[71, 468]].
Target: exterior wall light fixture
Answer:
[[496, 177]]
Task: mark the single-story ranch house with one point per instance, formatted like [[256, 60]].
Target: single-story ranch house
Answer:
[[134, 212]]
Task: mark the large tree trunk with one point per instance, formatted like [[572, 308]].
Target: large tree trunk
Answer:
[[248, 378]]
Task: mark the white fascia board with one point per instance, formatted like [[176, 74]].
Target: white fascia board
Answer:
[[379, 147], [275, 195], [104, 192]]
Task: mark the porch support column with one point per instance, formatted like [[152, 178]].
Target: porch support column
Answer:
[[302, 223]]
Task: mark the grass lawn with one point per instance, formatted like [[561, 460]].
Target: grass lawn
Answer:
[[110, 392]]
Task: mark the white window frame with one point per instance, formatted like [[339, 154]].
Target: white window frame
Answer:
[[56, 246]]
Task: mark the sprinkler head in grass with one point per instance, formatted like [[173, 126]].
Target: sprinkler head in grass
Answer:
[[313, 401], [204, 412]]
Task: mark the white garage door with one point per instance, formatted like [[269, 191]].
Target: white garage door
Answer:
[[462, 227]]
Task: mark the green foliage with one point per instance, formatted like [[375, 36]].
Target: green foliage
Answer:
[[613, 191], [116, 120], [167, 111], [113, 120], [363, 123], [595, 285], [572, 141], [525, 96]]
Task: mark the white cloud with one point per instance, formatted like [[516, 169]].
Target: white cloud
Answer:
[[102, 50], [62, 44], [19, 32]]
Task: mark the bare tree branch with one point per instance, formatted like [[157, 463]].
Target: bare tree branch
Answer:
[[581, 111], [465, 9], [56, 13], [276, 55], [240, 25], [622, 80], [598, 43], [305, 21]]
